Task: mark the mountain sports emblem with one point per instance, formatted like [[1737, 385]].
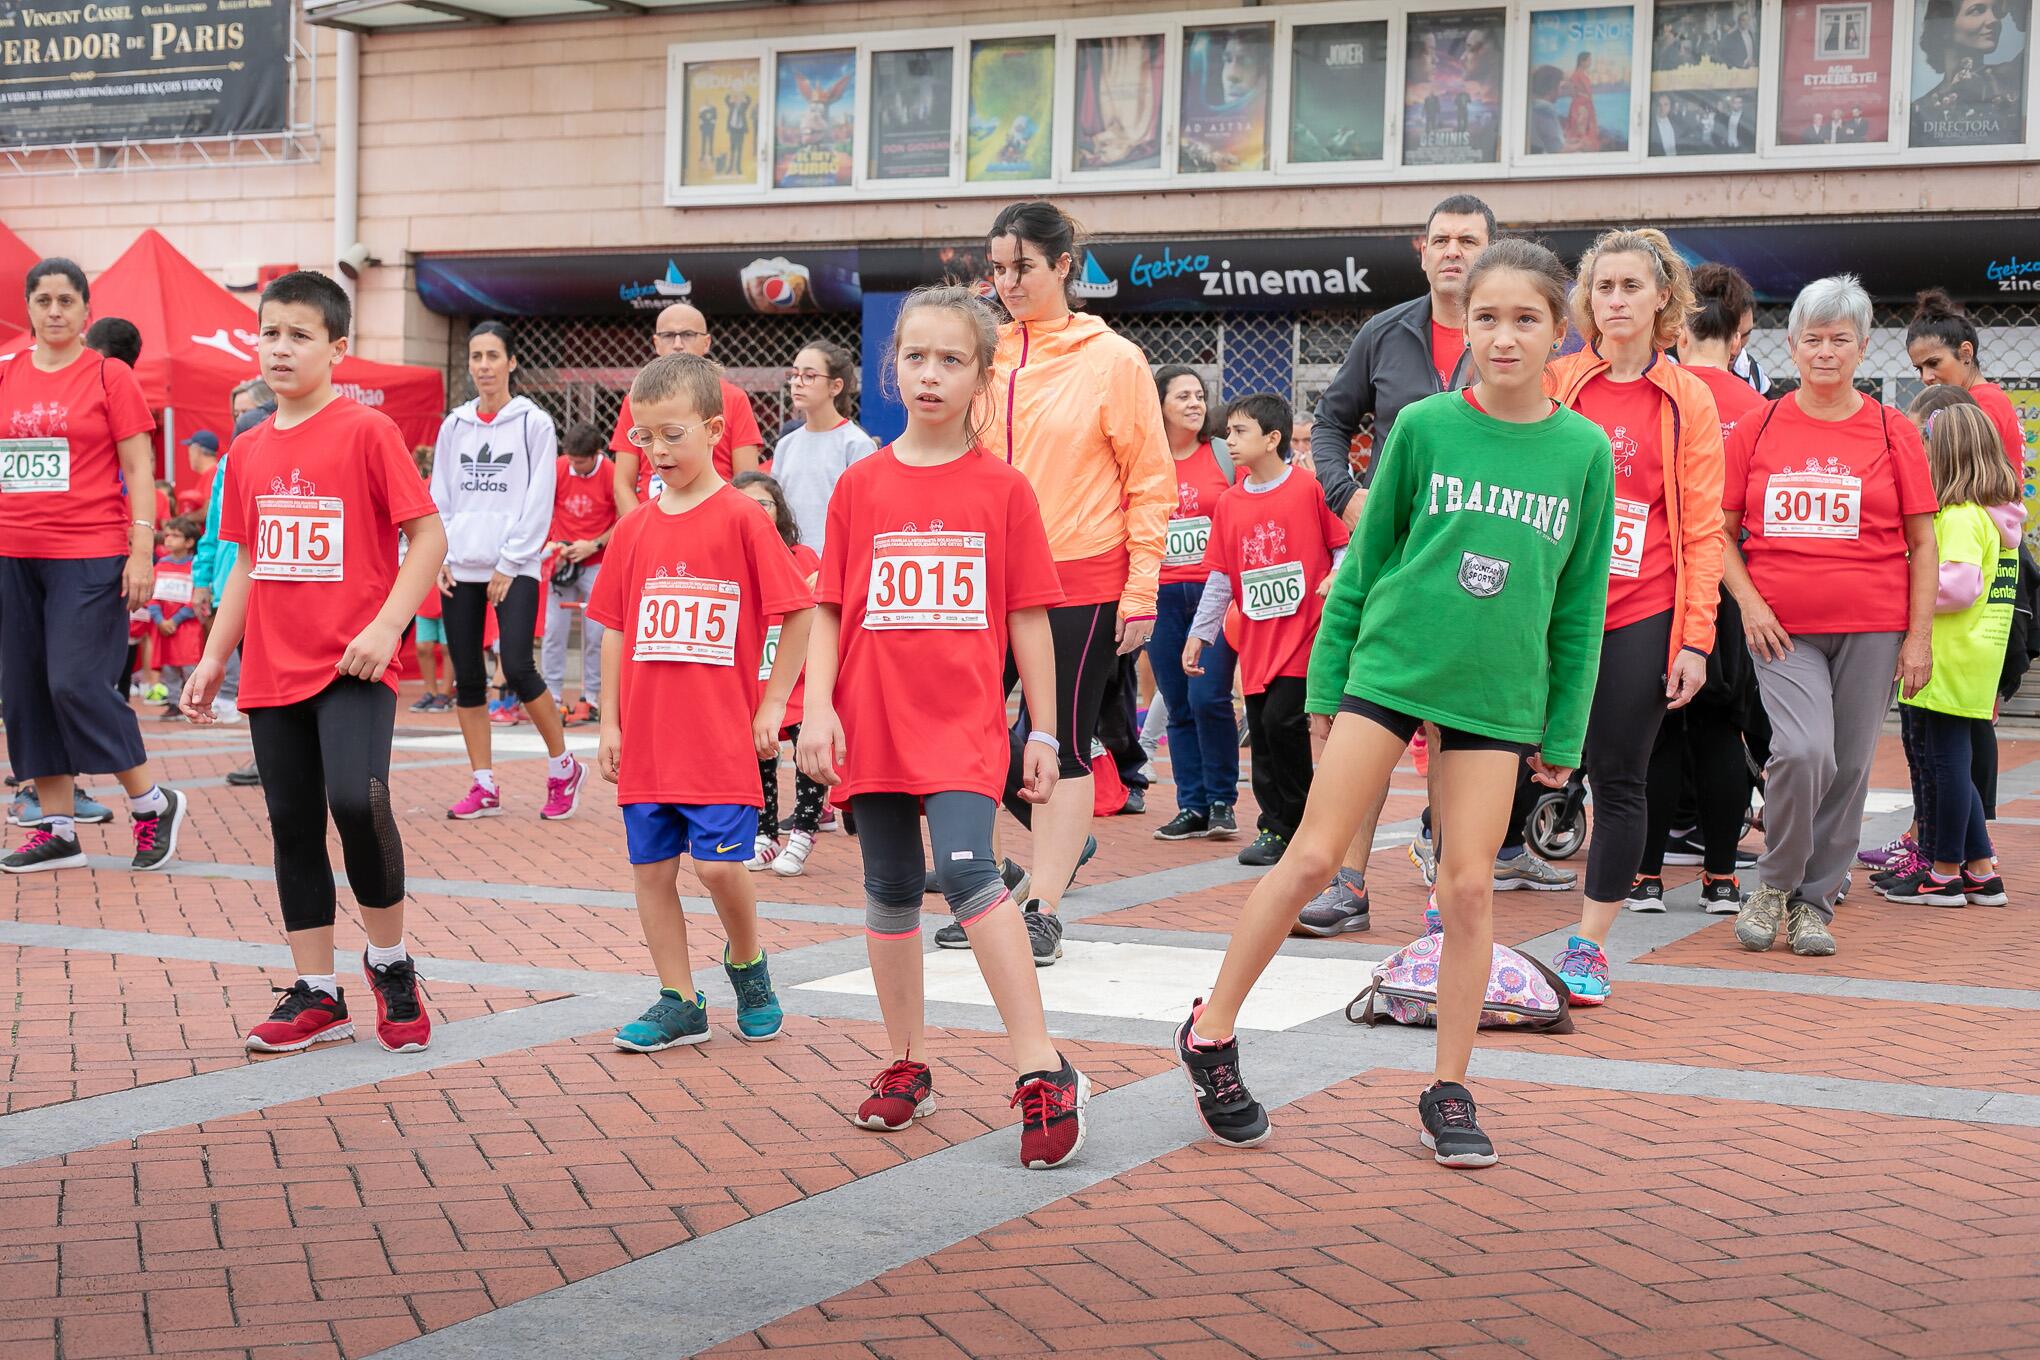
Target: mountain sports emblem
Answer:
[[1482, 576], [482, 470]]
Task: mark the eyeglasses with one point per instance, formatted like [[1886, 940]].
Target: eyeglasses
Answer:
[[678, 337], [797, 376], [672, 436]]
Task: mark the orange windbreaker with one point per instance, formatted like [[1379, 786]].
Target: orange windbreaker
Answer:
[[1074, 408], [1691, 439]]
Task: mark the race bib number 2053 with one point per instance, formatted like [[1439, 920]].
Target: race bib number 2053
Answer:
[[35, 465]]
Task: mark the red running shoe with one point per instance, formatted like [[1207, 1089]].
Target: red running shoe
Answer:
[[1051, 1116], [302, 1018], [401, 1024], [901, 1094]]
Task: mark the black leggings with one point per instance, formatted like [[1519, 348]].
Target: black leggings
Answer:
[[1702, 739], [1629, 705], [465, 612], [959, 832], [1085, 657], [808, 796], [330, 752]]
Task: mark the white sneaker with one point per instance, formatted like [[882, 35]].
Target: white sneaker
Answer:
[[762, 854], [792, 857], [225, 712]]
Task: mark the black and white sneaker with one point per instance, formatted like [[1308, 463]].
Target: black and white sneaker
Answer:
[[1450, 1131], [1266, 850], [1223, 825], [156, 832], [1721, 896], [1647, 893], [1984, 892], [1184, 826], [1044, 932], [1686, 847], [1228, 1110], [42, 852]]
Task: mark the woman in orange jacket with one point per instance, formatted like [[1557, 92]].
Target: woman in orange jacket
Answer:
[[1075, 409], [1632, 297]]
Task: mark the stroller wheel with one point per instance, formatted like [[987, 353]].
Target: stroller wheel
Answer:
[[1555, 829]]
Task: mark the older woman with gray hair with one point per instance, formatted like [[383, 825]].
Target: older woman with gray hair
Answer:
[[1836, 580]]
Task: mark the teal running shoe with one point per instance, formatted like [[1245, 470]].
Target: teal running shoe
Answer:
[[1584, 969], [672, 1020], [758, 1014]]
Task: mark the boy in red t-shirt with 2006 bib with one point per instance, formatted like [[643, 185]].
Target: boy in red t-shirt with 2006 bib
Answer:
[[686, 587]]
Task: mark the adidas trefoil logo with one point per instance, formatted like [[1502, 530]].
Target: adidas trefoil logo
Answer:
[[480, 469]]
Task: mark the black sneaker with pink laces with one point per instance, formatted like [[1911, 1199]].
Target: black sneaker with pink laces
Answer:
[[1228, 1109], [156, 832], [1450, 1129]]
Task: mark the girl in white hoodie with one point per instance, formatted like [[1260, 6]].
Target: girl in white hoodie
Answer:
[[492, 478]]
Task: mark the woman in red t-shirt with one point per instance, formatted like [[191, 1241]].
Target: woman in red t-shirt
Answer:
[[935, 558], [77, 553], [1836, 582], [1942, 344], [1664, 577]]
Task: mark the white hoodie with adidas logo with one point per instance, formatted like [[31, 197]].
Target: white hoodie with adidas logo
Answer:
[[493, 483]]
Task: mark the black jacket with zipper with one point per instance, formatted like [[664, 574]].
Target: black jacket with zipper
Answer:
[[1388, 368]]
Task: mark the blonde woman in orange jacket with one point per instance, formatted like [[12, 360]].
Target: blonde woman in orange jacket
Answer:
[[1632, 297], [1074, 408]]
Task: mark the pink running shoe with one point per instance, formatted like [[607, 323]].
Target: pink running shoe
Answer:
[[480, 802], [1883, 855], [563, 796]]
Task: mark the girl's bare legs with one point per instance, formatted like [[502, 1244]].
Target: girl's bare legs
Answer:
[[1359, 758], [896, 974], [1470, 796], [998, 940]]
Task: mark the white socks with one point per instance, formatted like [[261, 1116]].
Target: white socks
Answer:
[[63, 828], [150, 804], [379, 957], [329, 983], [487, 779], [560, 766]]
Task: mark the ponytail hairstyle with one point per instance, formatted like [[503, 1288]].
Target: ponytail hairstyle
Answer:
[[1545, 271], [1968, 459], [1936, 316], [837, 366], [782, 513], [952, 297], [501, 332], [1667, 268], [1050, 230], [1722, 297]]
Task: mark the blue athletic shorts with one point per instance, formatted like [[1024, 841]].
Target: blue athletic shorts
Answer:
[[708, 831], [431, 630]]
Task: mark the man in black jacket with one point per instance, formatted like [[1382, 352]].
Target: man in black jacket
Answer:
[[1402, 355]]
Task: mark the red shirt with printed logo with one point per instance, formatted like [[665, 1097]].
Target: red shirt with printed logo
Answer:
[[345, 473], [1733, 398], [923, 707], [1823, 503], [583, 507], [740, 427], [687, 722], [1254, 536], [2011, 433], [1199, 483], [92, 403], [1641, 570]]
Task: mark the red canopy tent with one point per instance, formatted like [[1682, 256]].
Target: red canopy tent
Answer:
[[202, 378], [15, 259]]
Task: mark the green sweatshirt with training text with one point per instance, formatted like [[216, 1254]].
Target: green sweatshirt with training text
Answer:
[[1476, 589]]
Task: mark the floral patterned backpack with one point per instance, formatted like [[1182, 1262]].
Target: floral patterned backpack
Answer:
[[1521, 992]]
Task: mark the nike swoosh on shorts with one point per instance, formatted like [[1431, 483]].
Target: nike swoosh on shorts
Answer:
[[725, 849]]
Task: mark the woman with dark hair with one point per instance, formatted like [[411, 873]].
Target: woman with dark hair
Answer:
[[1074, 409], [77, 553], [493, 473], [1976, 102], [1204, 748], [1944, 347], [810, 458]]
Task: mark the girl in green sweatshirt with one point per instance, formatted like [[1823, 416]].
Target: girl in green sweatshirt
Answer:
[[1472, 602]]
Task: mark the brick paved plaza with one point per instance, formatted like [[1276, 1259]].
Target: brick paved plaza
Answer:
[[1743, 1156]]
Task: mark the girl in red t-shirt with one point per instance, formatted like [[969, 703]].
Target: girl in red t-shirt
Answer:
[[808, 796], [934, 558], [179, 637], [1942, 343]]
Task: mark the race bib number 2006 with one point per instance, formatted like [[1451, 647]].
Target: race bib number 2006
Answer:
[[1272, 592], [299, 538], [926, 580], [35, 465], [688, 619]]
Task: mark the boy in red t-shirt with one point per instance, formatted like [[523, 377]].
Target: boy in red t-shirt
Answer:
[[179, 637], [584, 517], [1273, 545], [686, 587], [316, 496]]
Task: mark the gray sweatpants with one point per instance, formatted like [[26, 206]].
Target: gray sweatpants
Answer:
[[1826, 699], [552, 656]]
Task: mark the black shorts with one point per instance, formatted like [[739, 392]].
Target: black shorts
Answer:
[[1405, 726]]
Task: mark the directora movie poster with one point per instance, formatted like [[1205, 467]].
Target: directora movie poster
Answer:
[[814, 133], [1969, 71], [1012, 109], [1452, 88], [1225, 98], [720, 122], [1338, 92], [913, 97], [1579, 80], [1834, 73]]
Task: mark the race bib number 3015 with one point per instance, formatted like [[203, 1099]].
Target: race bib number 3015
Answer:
[[299, 538], [688, 619], [926, 580], [1272, 592], [1813, 505], [35, 465]]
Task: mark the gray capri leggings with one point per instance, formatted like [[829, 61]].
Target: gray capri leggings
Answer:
[[960, 830]]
